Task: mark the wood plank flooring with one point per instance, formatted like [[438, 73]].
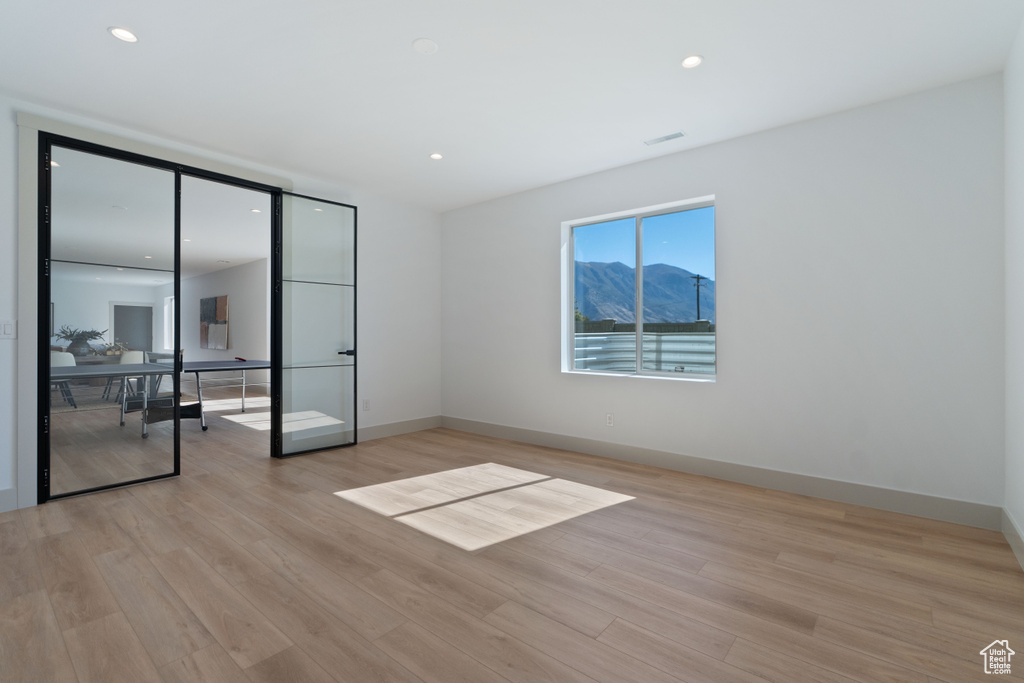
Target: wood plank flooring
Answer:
[[251, 569]]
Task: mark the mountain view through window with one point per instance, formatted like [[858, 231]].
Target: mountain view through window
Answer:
[[669, 309]]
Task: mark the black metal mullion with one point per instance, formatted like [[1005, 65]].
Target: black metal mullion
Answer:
[[355, 325], [111, 265], [276, 325], [44, 296], [177, 323]]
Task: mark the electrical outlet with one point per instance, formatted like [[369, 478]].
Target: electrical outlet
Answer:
[[366, 404], [609, 419], [8, 329]]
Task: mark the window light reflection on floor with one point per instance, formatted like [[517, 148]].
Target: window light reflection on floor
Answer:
[[475, 507]]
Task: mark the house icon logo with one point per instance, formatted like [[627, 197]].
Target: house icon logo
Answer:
[[997, 657]]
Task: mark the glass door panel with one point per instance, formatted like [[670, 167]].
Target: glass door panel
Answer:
[[317, 416], [317, 288], [319, 241], [313, 330], [112, 252]]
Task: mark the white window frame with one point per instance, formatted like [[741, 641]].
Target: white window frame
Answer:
[[568, 296]]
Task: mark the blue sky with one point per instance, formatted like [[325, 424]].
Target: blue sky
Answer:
[[685, 239]]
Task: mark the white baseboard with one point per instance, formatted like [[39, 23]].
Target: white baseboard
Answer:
[[397, 428], [1014, 535], [933, 507], [8, 499]]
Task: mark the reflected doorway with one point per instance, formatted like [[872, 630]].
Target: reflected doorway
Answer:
[[133, 326]]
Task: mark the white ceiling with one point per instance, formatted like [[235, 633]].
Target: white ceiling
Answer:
[[121, 215], [521, 93]]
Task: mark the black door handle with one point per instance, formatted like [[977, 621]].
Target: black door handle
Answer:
[[350, 352]]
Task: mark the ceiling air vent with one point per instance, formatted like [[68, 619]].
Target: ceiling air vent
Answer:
[[663, 138]]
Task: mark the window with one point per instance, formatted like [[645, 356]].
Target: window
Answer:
[[169, 322], [639, 292]]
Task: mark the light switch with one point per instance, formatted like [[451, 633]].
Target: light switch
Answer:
[[8, 329]]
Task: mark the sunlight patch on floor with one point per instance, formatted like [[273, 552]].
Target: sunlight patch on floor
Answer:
[[291, 422], [416, 493], [234, 404], [474, 507]]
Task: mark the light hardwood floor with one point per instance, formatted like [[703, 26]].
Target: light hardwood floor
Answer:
[[250, 569]]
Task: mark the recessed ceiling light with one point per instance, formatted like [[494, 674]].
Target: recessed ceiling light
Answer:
[[147, 257], [120, 268], [425, 46], [54, 164], [186, 240], [223, 261], [123, 34], [435, 156], [255, 211], [692, 61], [99, 278], [119, 208], [320, 210]]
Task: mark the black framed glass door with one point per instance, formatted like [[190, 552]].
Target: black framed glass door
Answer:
[[315, 316], [110, 352], [108, 243]]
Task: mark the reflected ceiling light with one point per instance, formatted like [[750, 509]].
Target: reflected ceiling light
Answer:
[[435, 156], [255, 211], [54, 164], [425, 46], [120, 268], [123, 34], [147, 257], [692, 61]]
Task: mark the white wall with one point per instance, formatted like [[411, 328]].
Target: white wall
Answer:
[[8, 301], [248, 292], [398, 300], [87, 305], [399, 315], [1014, 84], [860, 301]]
